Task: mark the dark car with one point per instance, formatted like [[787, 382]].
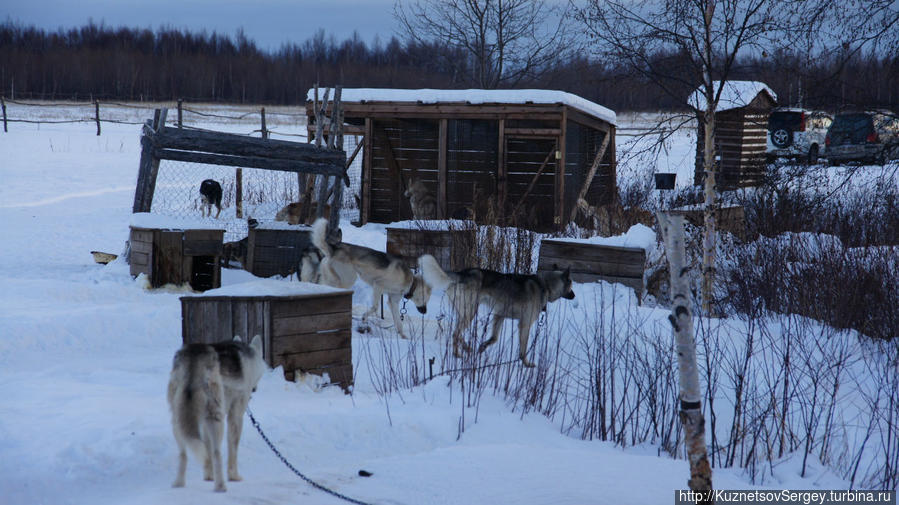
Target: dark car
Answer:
[[862, 136]]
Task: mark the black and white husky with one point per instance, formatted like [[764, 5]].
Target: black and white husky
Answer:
[[509, 296], [210, 194], [208, 382], [385, 273]]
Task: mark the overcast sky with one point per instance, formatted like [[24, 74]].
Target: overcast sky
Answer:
[[268, 22]]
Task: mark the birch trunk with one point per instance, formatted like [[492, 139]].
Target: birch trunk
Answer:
[[682, 322]]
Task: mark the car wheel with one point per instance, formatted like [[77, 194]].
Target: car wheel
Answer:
[[813, 155], [782, 137]]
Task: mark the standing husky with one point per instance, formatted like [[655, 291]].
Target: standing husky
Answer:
[[423, 203], [509, 296], [384, 272], [211, 194], [208, 382]]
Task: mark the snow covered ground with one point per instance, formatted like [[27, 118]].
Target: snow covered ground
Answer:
[[85, 353]]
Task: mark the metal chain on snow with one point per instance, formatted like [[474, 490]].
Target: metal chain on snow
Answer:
[[294, 470], [403, 311]]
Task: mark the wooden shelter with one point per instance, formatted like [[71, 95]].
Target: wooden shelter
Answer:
[[523, 156], [179, 254], [741, 122]]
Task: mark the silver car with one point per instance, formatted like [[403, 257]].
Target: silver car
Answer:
[[797, 134]]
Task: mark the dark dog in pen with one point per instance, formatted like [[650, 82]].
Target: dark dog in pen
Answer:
[[210, 194]]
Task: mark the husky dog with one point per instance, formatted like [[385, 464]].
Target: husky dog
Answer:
[[208, 382], [509, 296], [292, 212], [384, 272], [423, 203], [310, 265], [211, 194]]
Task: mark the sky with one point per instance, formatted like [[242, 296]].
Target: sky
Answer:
[[270, 23]]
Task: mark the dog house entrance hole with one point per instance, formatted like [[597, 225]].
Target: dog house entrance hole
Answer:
[[202, 275]]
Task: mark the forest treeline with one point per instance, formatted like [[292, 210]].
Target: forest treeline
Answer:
[[100, 62]]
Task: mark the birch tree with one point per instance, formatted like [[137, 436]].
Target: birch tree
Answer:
[[706, 38]]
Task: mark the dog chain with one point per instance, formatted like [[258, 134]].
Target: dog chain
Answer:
[[294, 470]]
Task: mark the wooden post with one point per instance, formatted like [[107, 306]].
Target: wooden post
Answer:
[[332, 144], [180, 111], [366, 171], [97, 115], [590, 174], [149, 166], [264, 130], [3, 103], [681, 319], [441, 168], [501, 172], [559, 213]]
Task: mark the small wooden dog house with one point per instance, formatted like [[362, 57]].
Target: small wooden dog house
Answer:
[[304, 327], [275, 248], [525, 155], [176, 252], [741, 122]]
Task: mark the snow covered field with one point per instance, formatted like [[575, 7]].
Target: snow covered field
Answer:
[[85, 353]]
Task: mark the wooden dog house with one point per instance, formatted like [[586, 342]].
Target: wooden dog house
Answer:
[[590, 262], [528, 155], [741, 129], [176, 253], [304, 327], [275, 248]]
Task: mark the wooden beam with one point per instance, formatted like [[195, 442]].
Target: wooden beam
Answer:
[[533, 182], [587, 120], [533, 132], [597, 159], [149, 164], [441, 167], [393, 166], [366, 172], [250, 162], [239, 145], [559, 213], [501, 170]]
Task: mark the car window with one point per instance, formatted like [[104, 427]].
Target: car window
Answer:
[[852, 123], [784, 119]]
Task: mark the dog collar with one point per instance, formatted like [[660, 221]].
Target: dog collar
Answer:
[[411, 288]]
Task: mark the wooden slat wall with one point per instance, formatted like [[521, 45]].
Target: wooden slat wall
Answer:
[[590, 262], [311, 333], [523, 159], [582, 143], [415, 149], [472, 161], [276, 252], [453, 249]]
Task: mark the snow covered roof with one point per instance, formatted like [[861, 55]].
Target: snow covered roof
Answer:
[[162, 222], [475, 96], [269, 287], [736, 94]]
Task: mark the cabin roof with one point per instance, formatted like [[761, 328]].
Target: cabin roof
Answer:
[[736, 94], [476, 97]]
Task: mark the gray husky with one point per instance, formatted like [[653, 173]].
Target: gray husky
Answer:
[[509, 296], [208, 382], [385, 273], [423, 203]]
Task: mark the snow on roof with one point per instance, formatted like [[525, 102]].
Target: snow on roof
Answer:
[[638, 236], [161, 222], [474, 96], [269, 287], [736, 94]]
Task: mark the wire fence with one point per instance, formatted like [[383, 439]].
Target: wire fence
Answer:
[[177, 195]]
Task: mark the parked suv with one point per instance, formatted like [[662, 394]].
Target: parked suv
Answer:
[[797, 133], [863, 136]]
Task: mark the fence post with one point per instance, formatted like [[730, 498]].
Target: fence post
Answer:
[[3, 103], [180, 122], [97, 115], [264, 130]]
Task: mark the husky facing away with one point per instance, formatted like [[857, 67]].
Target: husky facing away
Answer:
[[384, 272], [210, 194], [509, 296], [207, 382], [423, 203]]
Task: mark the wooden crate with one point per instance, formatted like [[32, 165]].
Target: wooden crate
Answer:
[[454, 249], [177, 256], [305, 327], [592, 262], [276, 248]]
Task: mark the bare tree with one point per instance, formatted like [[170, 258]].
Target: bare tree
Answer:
[[705, 38], [507, 41]]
